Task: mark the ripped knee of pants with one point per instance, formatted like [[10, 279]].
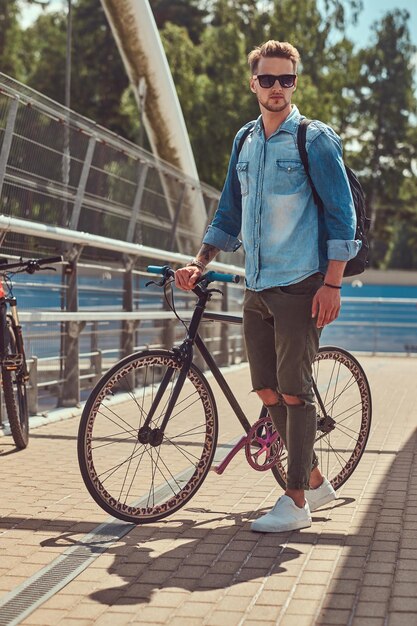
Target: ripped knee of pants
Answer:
[[269, 397], [297, 400], [292, 400]]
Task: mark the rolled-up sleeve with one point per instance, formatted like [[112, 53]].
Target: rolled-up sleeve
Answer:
[[330, 179], [220, 239], [341, 250]]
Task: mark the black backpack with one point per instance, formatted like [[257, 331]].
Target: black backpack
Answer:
[[359, 263]]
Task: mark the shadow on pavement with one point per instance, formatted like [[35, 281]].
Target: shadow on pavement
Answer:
[[376, 581], [211, 554]]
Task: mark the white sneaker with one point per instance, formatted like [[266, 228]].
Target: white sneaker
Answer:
[[320, 496], [285, 515]]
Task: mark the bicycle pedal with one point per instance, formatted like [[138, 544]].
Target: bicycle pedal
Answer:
[[12, 362]]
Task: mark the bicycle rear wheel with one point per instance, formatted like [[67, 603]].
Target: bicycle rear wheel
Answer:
[[342, 437], [14, 391], [139, 482]]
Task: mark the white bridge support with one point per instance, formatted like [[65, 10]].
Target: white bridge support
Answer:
[[140, 47]]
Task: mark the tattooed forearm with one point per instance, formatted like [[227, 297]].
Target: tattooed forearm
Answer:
[[207, 253]]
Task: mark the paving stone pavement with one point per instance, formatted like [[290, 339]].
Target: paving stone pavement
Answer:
[[356, 565]]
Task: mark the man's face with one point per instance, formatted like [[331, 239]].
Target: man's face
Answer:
[[275, 98]]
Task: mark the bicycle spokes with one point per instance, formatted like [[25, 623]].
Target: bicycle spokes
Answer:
[[134, 467], [343, 404]]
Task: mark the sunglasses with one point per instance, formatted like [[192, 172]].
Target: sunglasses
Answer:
[[267, 81]]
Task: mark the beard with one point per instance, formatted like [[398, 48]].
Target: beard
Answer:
[[274, 107]]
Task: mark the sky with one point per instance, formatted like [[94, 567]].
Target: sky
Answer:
[[372, 10]]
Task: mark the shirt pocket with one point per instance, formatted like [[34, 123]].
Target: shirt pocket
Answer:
[[242, 169], [290, 176]]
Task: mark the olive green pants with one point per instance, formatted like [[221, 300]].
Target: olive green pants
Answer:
[[282, 340]]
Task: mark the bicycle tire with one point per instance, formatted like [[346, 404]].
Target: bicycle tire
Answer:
[[138, 482], [15, 398], [345, 392]]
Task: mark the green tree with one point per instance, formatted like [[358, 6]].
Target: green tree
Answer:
[[188, 14], [401, 242], [45, 52], [211, 75], [10, 62], [98, 78], [383, 122]]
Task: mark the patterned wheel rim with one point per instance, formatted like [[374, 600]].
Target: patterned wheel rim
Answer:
[[137, 509], [339, 356]]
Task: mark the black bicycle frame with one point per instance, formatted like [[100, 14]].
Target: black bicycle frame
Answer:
[[185, 353]]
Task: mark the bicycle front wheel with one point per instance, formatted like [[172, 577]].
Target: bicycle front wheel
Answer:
[[14, 390], [139, 482], [343, 428]]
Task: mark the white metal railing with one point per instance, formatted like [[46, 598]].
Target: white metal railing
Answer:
[[75, 238], [69, 187], [88, 341], [82, 176]]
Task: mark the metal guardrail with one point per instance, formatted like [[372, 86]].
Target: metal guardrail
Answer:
[[63, 169], [107, 318], [114, 315], [71, 187], [44, 372], [68, 186]]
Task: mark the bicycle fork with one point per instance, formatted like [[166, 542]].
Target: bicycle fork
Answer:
[[155, 436], [14, 362]]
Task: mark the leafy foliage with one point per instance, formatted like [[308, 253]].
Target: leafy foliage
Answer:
[[367, 95]]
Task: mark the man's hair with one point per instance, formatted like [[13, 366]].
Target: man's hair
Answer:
[[272, 48]]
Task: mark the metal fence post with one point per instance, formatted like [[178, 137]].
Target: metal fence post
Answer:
[[82, 184], [176, 217], [224, 329], [33, 387], [7, 139], [127, 339], [70, 389], [134, 216], [97, 363]]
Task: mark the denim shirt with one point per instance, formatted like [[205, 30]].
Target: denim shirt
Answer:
[[267, 198]]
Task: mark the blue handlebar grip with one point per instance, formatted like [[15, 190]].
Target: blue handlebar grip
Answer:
[[156, 269], [224, 278]]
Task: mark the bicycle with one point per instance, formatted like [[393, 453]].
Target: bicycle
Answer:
[[148, 431], [14, 371]]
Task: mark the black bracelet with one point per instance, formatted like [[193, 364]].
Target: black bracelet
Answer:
[[332, 286]]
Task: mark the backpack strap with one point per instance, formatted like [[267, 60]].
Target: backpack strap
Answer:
[[244, 136], [301, 143]]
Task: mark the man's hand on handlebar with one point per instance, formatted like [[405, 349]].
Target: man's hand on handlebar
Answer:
[[186, 277]]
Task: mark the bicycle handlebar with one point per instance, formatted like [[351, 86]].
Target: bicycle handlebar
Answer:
[[210, 277], [165, 270], [31, 265]]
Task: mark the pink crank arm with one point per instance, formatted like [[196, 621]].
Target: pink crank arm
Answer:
[[219, 469], [269, 446]]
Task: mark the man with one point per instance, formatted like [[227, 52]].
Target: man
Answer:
[[295, 257]]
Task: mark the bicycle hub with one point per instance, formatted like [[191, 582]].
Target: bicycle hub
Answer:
[[153, 436]]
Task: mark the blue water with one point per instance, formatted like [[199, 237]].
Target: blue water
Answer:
[[378, 326], [380, 291], [361, 326]]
